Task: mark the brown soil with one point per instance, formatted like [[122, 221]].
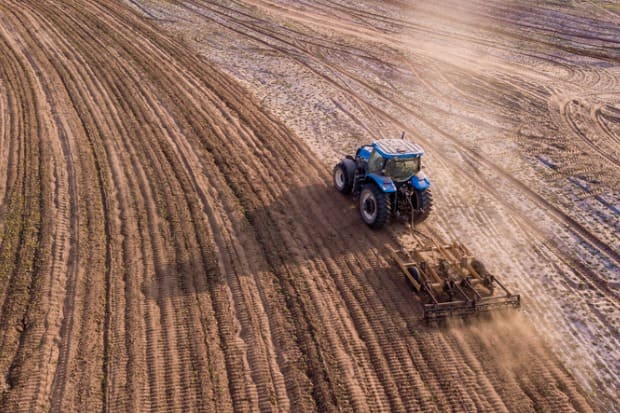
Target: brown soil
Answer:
[[169, 238]]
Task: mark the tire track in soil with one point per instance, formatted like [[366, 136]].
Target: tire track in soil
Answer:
[[569, 112], [186, 225], [47, 338], [605, 116], [586, 274], [18, 92], [26, 228], [409, 108], [71, 215], [115, 221], [249, 26], [6, 149], [157, 248]]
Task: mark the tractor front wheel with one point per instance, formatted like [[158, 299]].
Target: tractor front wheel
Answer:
[[343, 176], [374, 206]]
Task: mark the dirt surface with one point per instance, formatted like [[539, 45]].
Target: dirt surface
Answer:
[[169, 238]]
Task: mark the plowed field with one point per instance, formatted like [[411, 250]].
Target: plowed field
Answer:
[[169, 236]]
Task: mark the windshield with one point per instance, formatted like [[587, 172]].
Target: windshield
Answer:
[[402, 169]]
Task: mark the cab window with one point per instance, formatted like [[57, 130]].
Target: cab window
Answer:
[[375, 162], [402, 169]]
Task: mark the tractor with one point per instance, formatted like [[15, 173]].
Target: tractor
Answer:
[[387, 180]]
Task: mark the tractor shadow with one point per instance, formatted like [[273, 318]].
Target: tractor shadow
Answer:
[[309, 235]]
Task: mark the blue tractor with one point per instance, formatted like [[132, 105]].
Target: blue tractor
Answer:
[[387, 181]]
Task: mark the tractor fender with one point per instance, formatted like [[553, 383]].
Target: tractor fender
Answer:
[[420, 182], [384, 183]]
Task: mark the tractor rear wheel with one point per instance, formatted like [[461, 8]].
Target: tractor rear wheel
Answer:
[[343, 176], [423, 204], [374, 206]]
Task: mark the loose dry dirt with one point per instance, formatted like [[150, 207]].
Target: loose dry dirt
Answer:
[[169, 238]]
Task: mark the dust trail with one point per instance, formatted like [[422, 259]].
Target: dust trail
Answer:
[[514, 352]]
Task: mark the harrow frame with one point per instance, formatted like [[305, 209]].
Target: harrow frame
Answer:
[[453, 280]]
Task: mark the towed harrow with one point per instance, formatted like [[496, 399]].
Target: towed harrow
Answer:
[[451, 282]]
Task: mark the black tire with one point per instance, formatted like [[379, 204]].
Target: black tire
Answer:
[[415, 274], [374, 206], [413, 271], [343, 176], [423, 204], [479, 267]]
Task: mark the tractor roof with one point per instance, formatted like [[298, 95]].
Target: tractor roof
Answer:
[[392, 148]]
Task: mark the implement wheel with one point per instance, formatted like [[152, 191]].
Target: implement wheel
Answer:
[[413, 271]]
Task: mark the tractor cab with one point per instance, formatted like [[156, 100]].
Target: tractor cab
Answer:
[[393, 158], [396, 160]]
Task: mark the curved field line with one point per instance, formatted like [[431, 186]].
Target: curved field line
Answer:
[[556, 213], [568, 116], [201, 286], [596, 113]]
